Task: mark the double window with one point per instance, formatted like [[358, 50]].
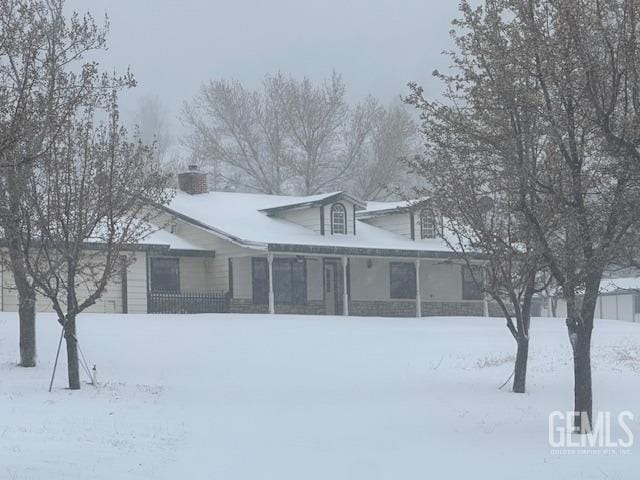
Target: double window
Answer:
[[428, 224], [289, 281], [338, 219], [472, 283], [165, 274], [402, 280]]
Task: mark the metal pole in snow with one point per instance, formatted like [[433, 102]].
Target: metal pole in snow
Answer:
[[485, 302], [55, 364]]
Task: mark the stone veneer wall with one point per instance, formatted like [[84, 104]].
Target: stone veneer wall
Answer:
[[312, 307], [398, 308], [445, 309], [382, 308], [375, 308]]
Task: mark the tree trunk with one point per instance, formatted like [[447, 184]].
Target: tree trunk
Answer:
[[26, 293], [27, 314], [73, 366], [520, 375], [581, 344]]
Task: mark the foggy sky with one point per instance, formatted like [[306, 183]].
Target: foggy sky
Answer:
[[174, 46]]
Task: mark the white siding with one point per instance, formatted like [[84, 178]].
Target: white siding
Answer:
[[439, 282], [110, 302], [310, 217], [369, 283], [137, 284], [242, 278], [616, 307], [609, 307], [9, 295], [306, 217], [398, 223], [196, 274], [315, 287]]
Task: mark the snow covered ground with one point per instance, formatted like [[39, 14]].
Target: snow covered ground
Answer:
[[292, 398]]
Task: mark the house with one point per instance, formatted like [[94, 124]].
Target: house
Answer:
[[321, 254], [619, 299]]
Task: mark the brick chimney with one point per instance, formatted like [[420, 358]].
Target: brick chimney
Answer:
[[193, 181]]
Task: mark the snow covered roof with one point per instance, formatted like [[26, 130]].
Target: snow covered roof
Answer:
[[617, 285], [311, 201], [375, 209], [241, 218], [166, 238], [386, 206]]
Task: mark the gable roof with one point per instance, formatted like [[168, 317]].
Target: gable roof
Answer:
[[240, 218], [312, 201]]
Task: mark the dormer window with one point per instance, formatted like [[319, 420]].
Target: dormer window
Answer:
[[428, 224], [338, 219]]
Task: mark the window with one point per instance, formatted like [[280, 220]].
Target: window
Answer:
[[260, 280], [338, 219], [165, 274], [428, 224], [402, 280], [471, 290], [289, 281], [636, 304]]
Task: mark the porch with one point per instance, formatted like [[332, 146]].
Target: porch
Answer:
[[358, 285]]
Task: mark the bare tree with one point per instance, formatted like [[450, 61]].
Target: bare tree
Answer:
[[523, 70], [151, 119], [325, 138], [43, 80], [242, 132], [468, 190], [89, 206], [380, 171], [298, 137]]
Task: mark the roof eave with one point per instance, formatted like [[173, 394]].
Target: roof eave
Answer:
[[364, 215], [368, 252], [314, 203]]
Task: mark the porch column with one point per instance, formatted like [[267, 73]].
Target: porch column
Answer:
[[485, 298], [418, 298], [345, 289], [272, 303]]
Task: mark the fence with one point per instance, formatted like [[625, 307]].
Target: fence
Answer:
[[188, 302]]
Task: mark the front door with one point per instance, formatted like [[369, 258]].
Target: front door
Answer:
[[330, 271]]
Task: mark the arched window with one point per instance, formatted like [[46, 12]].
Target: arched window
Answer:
[[428, 224], [338, 219]]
